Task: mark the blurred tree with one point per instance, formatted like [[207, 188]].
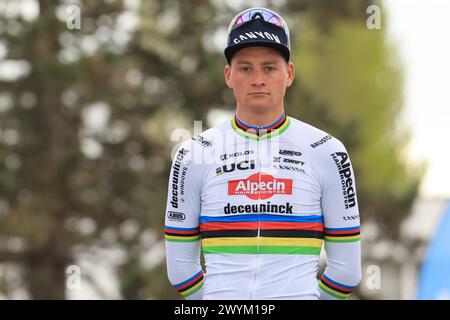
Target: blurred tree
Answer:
[[86, 130], [350, 83], [82, 169]]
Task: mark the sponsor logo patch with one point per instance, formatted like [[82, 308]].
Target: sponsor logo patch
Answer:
[[226, 156], [290, 153], [176, 175], [256, 35], [204, 142], [287, 160], [259, 208], [321, 141], [290, 168], [243, 165], [260, 186], [176, 216], [183, 178], [345, 172]]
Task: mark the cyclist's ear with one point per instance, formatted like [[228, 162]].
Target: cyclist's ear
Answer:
[[227, 73], [291, 74]]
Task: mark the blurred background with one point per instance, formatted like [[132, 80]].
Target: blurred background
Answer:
[[91, 93]]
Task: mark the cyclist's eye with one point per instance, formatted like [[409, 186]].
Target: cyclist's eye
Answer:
[[270, 68], [245, 69]]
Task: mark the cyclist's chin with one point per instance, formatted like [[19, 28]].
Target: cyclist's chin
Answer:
[[259, 106]]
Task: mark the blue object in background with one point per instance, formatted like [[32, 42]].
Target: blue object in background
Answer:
[[434, 280]]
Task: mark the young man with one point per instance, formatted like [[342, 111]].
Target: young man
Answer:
[[258, 195]]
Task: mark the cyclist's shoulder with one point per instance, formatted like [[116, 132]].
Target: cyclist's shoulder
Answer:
[[314, 139], [201, 147], [208, 139]]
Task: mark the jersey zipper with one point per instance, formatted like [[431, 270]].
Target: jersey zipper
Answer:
[[259, 224]]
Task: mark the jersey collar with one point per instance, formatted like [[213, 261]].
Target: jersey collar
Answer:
[[260, 133]]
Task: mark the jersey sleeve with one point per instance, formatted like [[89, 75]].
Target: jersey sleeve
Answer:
[[341, 223], [182, 234]]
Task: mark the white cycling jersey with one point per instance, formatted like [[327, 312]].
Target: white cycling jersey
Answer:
[[260, 203]]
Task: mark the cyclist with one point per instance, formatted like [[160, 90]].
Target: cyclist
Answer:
[[260, 194]]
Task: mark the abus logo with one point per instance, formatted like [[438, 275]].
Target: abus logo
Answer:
[[176, 216], [259, 186]]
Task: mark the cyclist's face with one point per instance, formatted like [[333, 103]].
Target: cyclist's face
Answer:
[[259, 77]]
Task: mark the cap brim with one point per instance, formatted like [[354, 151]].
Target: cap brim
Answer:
[[231, 50]]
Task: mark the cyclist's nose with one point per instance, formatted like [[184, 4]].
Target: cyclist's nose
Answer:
[[258, 79]]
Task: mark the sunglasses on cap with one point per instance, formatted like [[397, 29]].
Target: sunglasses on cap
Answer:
[[258, 27], [259, 13]]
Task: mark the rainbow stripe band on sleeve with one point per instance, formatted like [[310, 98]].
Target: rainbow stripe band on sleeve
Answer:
[[175, 234], [342, 234], [191, 285], [334, 288]]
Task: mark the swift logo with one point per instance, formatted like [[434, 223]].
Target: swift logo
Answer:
[[259, 186]]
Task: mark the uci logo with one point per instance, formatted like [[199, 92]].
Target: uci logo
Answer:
[[243, 165]]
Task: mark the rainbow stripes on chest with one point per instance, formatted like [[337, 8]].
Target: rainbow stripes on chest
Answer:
[[262, 234]]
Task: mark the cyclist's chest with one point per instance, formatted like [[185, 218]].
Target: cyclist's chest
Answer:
[[261, 179]]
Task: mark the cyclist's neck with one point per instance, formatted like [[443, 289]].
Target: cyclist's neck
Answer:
[[259, 121]]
